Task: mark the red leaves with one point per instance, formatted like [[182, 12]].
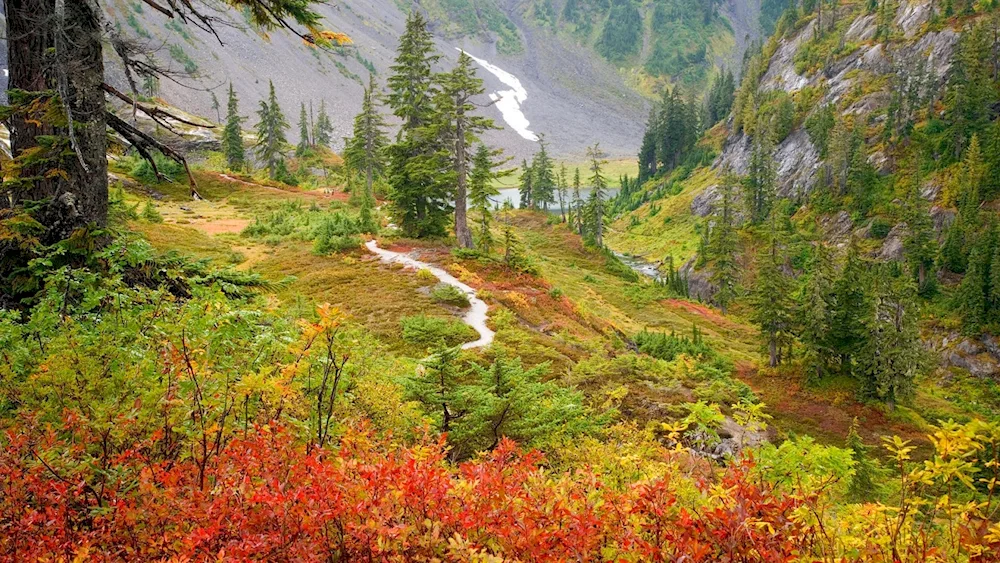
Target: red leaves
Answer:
[[266, 499]]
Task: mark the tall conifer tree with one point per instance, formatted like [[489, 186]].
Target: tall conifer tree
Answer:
[[232, 135], [271, 127]]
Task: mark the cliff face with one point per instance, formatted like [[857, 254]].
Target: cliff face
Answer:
[[856, 81]]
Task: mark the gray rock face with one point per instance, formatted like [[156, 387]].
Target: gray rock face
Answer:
[[781, 73], [703, 204], [862, 30], [911, 16], [981, 357], [892, 246], [837, 227], [699, 285], [942, 218], [798, 163]]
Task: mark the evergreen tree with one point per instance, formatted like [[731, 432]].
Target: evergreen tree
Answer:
[[815, 315], [271, 127], [216, 107], [863, 487], [323, 130], [304, 146], [365, 151], [599, 185], [971, 87], [759, 184], [438, 387], [920, 243], [562, 192], [420, 174], [526, 188], [974, 291], [848, 331], [647, 152], [770, 298], [481, 192], [577, 202], [543, 183], [991, 154], [723, 245], [232, 135], [459, 129], [891, 355]]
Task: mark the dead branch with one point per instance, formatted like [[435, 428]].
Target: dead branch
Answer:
[[155, 112], [143, 142]]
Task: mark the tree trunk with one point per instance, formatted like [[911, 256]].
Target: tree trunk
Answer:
[[55, 45], [772, 347], [462, 232]]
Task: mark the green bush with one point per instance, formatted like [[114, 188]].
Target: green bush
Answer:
[[880, 228], [336, 232], [150, 214], [143, 172], [449, 295], [421, 330]]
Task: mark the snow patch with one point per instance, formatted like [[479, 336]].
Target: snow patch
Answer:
[[508, 101]]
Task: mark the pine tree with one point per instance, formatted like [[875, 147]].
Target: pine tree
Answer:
[[543, 183], [599, 185], [815, 315], [365, 150], [459, 129], [481, 194], [577, 203], [304, 146], [271, 127], [891, 356], [323, 130], [526, 188], [974, 291], [991, 155], [232, 135], [770, 298], [723, 245], [422, 186]]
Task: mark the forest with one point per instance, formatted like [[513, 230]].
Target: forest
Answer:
[[768, 338]]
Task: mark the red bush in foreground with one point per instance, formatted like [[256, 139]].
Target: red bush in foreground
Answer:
[[371, 500]]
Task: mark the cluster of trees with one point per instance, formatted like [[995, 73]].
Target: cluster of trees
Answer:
[[272, 145], [675, 124]]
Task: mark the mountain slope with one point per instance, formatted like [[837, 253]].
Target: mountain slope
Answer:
[[574, 94]]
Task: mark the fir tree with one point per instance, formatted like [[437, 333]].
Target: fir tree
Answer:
[[759, 185], [526, 188], [863, 486], [438, 387], [723, 245], [232, 135], [770, 298], [303, 148], [271, 127], [815, 315], [647, 152], [460, 128], [418, 173], [974, 291], [599, 184], [481, 194], [891, 355], [543, 183], [365, 150], [577, 202], [216, 107], [847, 323], [323, 130], [920, 243], [562, 185]]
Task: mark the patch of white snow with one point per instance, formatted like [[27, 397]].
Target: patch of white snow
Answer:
[[508, 101]]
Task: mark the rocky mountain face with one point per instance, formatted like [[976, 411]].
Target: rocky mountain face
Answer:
[[582, 82]]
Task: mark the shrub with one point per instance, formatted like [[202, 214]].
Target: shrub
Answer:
[[421, 330], [449, 295], [336, 232], [142, 171], [426, 275], [150, 214], [880, 228]]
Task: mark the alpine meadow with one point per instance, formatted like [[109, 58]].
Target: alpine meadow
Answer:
[[686, 281]]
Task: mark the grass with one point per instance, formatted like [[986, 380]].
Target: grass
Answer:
[[666, 227], [612, 171]]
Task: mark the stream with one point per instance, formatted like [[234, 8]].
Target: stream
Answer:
[[474, 317], [640, 265]]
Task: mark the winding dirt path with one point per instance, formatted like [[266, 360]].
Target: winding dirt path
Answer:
[[474, 317]]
